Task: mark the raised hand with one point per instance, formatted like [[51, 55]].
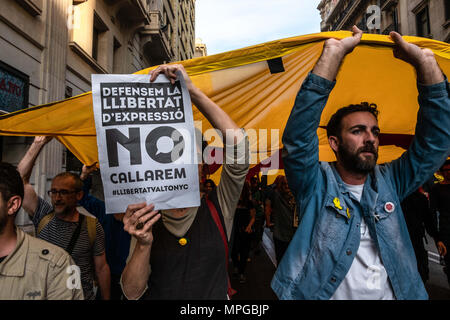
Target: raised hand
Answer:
[[346, 45], [138, 221], [87, 170], [170, 70], [334, 51], [423, 60], [42, 139]]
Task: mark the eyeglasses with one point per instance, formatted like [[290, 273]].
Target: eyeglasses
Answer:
[[62, 192]]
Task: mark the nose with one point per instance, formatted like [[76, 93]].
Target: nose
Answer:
[[370, 137], [58, 195]]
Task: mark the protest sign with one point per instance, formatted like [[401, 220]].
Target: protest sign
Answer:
[[146, 142]]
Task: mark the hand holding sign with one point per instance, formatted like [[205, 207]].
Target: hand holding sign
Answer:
[[145, 139], [138, 221], [170, 71]]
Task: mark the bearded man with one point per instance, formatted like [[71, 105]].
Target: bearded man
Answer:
[[352, 241]]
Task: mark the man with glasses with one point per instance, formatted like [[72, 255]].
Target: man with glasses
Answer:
[[61, 224]]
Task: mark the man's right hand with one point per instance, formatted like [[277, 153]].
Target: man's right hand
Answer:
[[344, 46], [138, 221], [334, 51]]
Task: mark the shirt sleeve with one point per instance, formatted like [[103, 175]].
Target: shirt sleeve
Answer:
[[234, 171], [99, 243], [300, 140], [431, 143], [43, 209]]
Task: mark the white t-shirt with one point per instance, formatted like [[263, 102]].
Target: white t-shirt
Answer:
[[367, 278]]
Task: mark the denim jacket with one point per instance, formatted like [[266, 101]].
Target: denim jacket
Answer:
[[328, 236]]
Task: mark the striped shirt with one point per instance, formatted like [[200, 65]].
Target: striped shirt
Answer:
[[59, 233]]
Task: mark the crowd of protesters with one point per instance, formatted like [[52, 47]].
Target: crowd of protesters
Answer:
[[328, 220]]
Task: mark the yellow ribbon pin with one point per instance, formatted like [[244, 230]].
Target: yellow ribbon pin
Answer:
[[337, 203], [182, 241], [348, 213]]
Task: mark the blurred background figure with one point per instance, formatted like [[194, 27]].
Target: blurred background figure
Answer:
[[257, 200], [440, 204], [280, 205], [244, 220], [209, 186], [420, 218]]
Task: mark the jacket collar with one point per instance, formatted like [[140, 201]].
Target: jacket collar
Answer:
[[376, 192], [14, 264]]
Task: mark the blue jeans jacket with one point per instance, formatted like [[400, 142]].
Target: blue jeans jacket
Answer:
[[327, 239]]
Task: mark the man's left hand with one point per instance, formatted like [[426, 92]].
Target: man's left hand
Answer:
[[423, 60]]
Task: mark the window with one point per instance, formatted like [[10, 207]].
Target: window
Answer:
[[98, 31], [116, 63], [423, 23], [447, 9], [95, 43]]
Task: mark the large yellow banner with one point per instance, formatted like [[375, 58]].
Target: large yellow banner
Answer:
[[241, 83]]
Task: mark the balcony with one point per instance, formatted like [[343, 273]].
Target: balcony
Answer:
[[131, 11], [154, 39], [342, 13], [387, 4]]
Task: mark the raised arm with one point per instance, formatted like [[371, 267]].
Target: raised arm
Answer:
[[301, 144], [138, 222], [89, 202], [431, 144], [25, 167], [218, 118]]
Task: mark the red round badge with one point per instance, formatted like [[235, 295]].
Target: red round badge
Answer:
[[389, 207]]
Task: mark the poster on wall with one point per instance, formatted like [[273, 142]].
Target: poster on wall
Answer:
[[146, 142], [14, 87]]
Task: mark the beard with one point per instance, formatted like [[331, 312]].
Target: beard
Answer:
[[354, 162], [3, 222], [63, 211]]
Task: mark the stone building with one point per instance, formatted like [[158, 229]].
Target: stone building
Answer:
[[425, 18], [200, 48], [50, 48]]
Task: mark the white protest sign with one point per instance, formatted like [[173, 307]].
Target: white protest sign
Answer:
[[146, 143]]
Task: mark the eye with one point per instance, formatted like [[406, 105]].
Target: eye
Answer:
[[357, 131]]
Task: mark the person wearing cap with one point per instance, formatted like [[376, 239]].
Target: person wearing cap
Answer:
[[30, 268], [352, 241]]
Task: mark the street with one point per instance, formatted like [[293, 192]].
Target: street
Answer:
[[261, 268]]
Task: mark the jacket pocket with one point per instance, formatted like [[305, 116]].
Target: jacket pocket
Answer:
[[334, 216]]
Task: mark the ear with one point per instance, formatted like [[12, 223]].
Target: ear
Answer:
[[80, 195], [14, 204], [334, 143]]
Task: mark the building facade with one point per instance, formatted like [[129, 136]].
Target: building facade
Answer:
[[200, 49], [424, 18], [50, 48]]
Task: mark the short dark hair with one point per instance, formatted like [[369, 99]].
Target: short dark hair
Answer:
[[74, 176], [334, 126], [211, 182], [11, 183]]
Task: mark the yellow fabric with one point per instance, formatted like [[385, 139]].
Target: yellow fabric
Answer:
[[240, 82]]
